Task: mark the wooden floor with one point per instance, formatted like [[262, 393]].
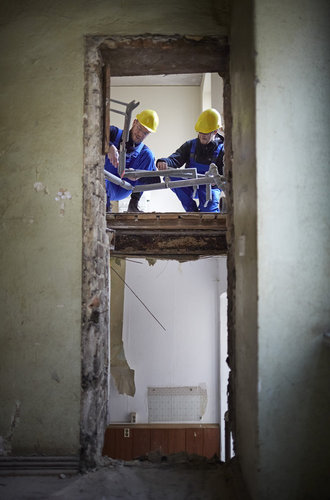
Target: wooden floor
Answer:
[[167, 235]]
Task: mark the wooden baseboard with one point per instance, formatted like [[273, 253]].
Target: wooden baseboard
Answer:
[[131, 441]]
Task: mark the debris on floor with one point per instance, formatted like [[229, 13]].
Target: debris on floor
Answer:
[[160, 477]]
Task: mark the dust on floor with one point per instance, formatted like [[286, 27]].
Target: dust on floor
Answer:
[[138, 480]]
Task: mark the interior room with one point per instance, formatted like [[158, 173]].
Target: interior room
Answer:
[[193, 324], [263, 266], [179, 99]]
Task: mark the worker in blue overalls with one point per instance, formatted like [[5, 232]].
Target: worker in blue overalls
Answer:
[[138, 157], [198, 153]]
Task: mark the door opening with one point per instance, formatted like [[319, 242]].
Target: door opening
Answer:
[[168, 335], [179, 100], [155, 56]]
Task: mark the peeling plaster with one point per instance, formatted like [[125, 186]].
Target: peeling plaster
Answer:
[[151, 261], [61, 197], [121, 372], [39, 187]]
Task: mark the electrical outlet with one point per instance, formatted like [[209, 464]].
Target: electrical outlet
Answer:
[[126, 433]]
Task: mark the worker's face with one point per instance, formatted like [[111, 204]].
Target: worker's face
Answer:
[[206, 138], [138, 132]]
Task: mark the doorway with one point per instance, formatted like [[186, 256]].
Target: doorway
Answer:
[[124, 56], [167, 338], [178, 99]]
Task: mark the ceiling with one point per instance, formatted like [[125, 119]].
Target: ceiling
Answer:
[[193, 79]]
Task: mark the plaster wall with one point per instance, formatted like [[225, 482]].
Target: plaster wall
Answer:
[[184, 297], [293, 178], [42, 82], [280, 88]]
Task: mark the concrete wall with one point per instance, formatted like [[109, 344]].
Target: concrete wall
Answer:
[[293, 119], [287, 401], [245, 212], [42, 82]]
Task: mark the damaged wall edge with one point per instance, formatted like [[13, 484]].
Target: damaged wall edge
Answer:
[[95, 273], [121, 372]]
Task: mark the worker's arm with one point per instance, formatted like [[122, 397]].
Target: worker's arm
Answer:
[[113, 155], [161, 165], [177, 159], [220, 161]]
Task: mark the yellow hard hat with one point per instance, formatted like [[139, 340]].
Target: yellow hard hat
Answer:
[[208, 121], [149, 119]]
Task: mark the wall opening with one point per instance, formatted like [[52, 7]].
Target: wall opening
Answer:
[[168, 334], [155, 55], [178, 100]]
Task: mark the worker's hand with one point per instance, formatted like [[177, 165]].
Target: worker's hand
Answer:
[[113, 155], [161, 165]]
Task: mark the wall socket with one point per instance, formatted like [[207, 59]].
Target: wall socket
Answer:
[[133, 417], [126, 433]]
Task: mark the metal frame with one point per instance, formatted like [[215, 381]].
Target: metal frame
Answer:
[[122, 149], [193, 178]]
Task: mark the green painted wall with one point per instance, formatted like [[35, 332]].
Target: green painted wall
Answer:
[[42, 85], [293, 179], [281, 177]]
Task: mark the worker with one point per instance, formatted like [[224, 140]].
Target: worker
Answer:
[[198, 153], [138, 157]]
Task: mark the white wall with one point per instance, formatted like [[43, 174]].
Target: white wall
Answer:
[[184, 297], [217, 93]]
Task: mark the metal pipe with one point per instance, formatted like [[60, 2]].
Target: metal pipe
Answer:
[[161, 185], [188, 173], [201, 180], [117, 111], [208, 194], [116, 180], [122, 148], [130, 173], [173, 184], [119, 102]]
